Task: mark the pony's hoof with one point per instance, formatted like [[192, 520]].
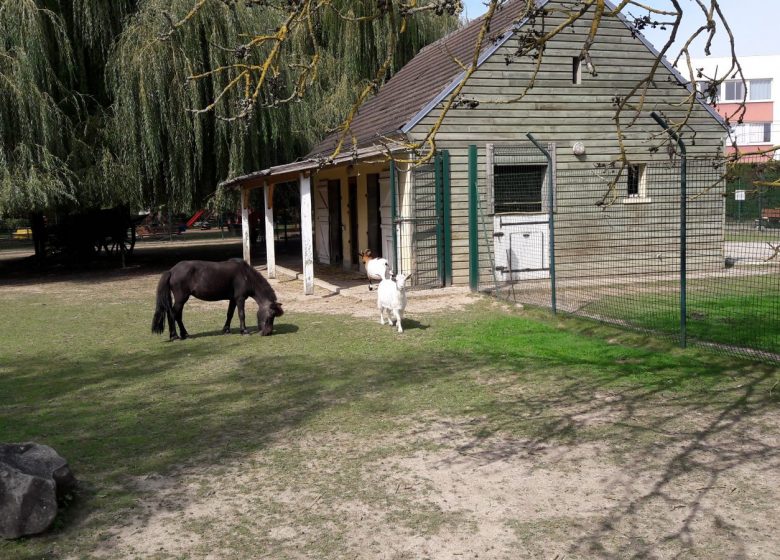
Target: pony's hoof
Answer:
[[245, 333], [174, 337], [225, 331]]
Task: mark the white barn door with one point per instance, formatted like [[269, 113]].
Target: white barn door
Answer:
[[519, 199], [322, 223], [385, 209]]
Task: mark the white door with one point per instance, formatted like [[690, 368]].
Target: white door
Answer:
[[322, 223], [519, 196], [522, 246], [385, 208]]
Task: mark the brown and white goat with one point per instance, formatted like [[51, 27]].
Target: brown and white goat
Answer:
[[376, 268]]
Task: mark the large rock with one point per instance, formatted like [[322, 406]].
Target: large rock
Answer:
[[32, 478]]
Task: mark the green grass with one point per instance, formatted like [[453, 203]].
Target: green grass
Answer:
[[84, 375], [741, 312]]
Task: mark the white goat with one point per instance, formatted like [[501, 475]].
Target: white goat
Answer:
[[376, 269], [391, 297]]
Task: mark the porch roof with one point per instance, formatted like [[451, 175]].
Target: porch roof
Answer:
[[291, 171]]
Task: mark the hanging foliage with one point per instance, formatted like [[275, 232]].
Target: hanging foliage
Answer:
[[99, 104], [36, 74]]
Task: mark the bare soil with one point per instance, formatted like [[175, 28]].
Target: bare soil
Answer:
[[501, 497]]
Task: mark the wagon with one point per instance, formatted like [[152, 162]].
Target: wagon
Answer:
[[108, 231], [770, 218]]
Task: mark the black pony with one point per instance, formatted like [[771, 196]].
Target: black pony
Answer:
[[233, 280]]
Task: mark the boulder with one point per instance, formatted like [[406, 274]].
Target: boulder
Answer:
[[32, 479]]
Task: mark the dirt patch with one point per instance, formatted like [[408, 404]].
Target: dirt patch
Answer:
[[353, 298], [449, 495]]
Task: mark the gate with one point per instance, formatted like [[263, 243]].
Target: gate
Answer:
[[423, 225], [518, 185]]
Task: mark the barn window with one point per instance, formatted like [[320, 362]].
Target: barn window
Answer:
[[576, 70], [636, 183], [517, 179], [518, 188]]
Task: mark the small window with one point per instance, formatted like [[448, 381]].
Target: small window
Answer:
[[760, 90], [635, 181], [753, 133], [576, 70], [734, 90], [518, 188]]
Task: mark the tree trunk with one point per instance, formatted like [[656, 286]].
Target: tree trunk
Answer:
[[38, 226]]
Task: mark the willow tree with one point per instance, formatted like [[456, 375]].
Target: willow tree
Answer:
[[52, 102], [97, 104], [173, 151], [37, 75]]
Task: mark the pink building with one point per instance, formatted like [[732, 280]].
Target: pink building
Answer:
[[760, 127]]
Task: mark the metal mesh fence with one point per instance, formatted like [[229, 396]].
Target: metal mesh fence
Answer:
[[617, 248], [421, 225]]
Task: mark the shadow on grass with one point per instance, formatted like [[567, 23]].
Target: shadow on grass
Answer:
[[666, 418], [280, 329]]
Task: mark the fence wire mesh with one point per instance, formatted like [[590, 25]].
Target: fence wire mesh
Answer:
[[616, 253], [420, 226]]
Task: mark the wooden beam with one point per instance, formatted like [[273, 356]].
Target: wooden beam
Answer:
[[268, 194], [306, 234], [245, 224]]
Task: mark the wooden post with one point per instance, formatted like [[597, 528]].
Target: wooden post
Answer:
[[245, 224], [268, 198], [306, 236], [473, 216]]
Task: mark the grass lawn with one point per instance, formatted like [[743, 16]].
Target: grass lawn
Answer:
[[741, 312], [322, 441]]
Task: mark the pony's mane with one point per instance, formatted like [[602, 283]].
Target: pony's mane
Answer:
[[259, 283]]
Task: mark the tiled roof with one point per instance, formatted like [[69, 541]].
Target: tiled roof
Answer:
[[421, 79]]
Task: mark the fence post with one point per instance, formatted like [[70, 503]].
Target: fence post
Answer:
[[438, 196], [473, 201], [683, 227], [551, 219], [445, 170], [394, 212]]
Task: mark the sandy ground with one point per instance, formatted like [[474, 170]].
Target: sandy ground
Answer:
[[497, 498]]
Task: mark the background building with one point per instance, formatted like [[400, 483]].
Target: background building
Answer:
[[760, 127]]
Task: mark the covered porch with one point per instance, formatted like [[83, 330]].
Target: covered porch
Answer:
[[347, 205]]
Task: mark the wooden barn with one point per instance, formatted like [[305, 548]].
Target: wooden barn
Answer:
[[483, 204]]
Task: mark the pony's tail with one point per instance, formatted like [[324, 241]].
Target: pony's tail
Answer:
[[164, 303]]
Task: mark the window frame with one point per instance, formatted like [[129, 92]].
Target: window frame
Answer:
[[638, 170], [542, 202], [738, 96], [742, 133], [546, 183], [576, 70], [750, 89]]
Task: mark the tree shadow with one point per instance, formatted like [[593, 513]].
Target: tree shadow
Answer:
[[680, 446]]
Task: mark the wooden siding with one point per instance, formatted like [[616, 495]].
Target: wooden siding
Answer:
[[558, 111]]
